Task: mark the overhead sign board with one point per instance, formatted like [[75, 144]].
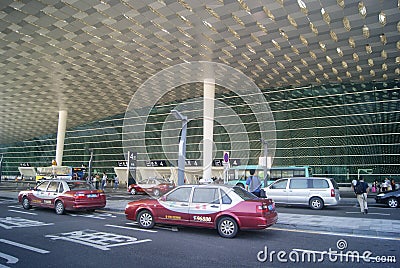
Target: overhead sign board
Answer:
[[220, 162], [192, 163], [156, 163]]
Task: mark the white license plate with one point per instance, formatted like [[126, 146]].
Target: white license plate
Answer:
[[91, 195]]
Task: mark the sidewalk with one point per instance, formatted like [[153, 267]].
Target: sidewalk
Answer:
[[340, 225]]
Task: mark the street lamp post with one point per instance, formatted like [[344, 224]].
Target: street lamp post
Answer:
[[90, 165], [1, 166], [182, 147], [265, 145]]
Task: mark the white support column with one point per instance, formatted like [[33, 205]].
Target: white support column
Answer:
[[208, 127], [62, 124]]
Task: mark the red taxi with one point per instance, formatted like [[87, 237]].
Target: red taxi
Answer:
[[62, 195], [153, 186], [227, 209]]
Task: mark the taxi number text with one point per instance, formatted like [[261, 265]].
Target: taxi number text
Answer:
[[202, 218]]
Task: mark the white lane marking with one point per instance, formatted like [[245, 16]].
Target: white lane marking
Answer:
[[93, 215], [14, 206], [173, 228], [23, 212], [16, 244], [9, 258], [334, 234], [131, 228], [112, 212], [10, 222], [96, 239]]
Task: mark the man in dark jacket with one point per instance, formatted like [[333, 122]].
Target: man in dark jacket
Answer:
[[361, 190]]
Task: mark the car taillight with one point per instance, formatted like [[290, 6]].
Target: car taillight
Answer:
[[333, 194], [262, 208]]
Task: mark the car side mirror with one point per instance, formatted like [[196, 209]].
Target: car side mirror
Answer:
[[163, 198]]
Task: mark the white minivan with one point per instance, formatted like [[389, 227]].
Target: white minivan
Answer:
[[313, 191]]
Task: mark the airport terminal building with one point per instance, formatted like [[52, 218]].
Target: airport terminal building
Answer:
[[323, 88]]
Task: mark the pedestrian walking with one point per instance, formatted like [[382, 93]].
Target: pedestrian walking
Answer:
[[385, 185], [393, 184], [103, 181], [96, 180], [375, 186], [116, 182], [361, 190]]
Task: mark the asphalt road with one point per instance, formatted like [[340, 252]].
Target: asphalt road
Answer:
[[40, 238]]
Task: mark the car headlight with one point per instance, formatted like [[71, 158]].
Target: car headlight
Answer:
[[380, 195]]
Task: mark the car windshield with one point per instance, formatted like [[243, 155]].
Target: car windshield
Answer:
[[76, 186], [245, 195]]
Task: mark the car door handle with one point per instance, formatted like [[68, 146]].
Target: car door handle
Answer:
[[215, 206], [184, 205]]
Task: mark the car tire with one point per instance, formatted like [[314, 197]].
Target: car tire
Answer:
[[227, 227], [59, 207], [392, 202], [133, 191], [145, 219], [25, 203], [156, 192], [316, 203]]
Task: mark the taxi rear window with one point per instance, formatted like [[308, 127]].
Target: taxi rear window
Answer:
[[76, 186], [245, 195]]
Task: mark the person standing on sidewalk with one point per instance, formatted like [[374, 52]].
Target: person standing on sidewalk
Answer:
[[361, 190], [116, 182], [104, 181]]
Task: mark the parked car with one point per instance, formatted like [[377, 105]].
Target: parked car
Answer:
[[312, 191], [153, 186], [225, 208], [63, 195], [391, 198]]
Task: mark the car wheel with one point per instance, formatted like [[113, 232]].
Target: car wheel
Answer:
[[227, 227], [145, 219], [25, 203], [316, 203], [133, 191], [392, 202], [60, 209], [156, 192]]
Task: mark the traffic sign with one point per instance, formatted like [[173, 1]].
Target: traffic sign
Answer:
[[226, 158]]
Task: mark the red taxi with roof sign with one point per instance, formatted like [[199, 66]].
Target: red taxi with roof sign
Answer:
[[63, 195], [227, 209]]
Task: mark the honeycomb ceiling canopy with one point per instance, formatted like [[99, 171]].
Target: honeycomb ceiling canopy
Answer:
[[89, 56]]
